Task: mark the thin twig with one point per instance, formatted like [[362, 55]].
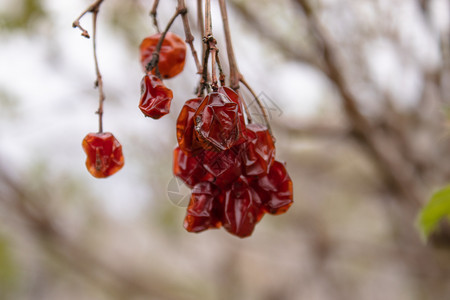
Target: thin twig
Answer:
[[234, 70], [204, 80], [208, 19], [153, 63], [247, 112], [99, 81], [258, 101], [153, 14], [189, 36], [94, 9], [221, 73], [211, 41], [91, 8], [213, 49]]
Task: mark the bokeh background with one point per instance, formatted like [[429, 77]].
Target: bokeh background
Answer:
[[358, 95]]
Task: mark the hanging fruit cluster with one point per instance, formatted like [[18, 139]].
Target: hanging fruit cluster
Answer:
[[227, 160]]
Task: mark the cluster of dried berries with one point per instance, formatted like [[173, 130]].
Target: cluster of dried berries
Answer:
[[227, 162], [229, 165]]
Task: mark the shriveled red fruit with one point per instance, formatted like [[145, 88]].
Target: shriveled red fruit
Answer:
[[275, 189], [203, 211], [104, 154], [260, 150], [242, 208], [225, 166], [187, 140], [218, 123], [189, 168], [236, 99], [171, 56], [155, 97]]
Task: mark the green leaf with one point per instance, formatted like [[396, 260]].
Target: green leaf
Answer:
[[435, 211]]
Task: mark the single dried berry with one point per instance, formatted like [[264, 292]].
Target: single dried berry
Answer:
[[204, 208], [189, 168], [187, 140], [241, 208], [218, 122], [171, 56], [104, 154], [275, 189], [259, 150], [155, 97]]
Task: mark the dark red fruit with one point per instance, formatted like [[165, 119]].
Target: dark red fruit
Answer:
[[218, 122], [236, 99], [104, 154], [187, 140], [275, 189], [171, 56], [155, 97], [203, 211], [260, 150], [242, 208], [189, 168], [225, 166]]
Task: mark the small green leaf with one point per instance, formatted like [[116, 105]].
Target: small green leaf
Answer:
[[435, 211]]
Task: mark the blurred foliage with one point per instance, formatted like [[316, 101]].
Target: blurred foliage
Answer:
[[8, 269], [437, 209], [25, 15]]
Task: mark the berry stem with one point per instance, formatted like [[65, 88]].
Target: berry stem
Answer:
[[153, 14], [99, 81], [211, 41], [188, 34], [155, 57], [204, 81], [258, 101], [94, 8], [234, 70], [200, 23], [221, 73], [247, 112]]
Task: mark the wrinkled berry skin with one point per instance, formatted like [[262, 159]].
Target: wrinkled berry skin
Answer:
[[203, 211], [189, 168], [241, 208], [225, 167], [104, 154], [275, 189], [218, 122], [172, 55], [187, 140], [259, 150], [155, 97]]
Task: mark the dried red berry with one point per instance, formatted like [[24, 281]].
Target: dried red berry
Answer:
[[242, 208], [187, 140], [218, 122], [236, 99], [225, 166], [275, 189], [260, 150], [203, 211], [104, 154], [171, 56], [189, 168], [155, 97]]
